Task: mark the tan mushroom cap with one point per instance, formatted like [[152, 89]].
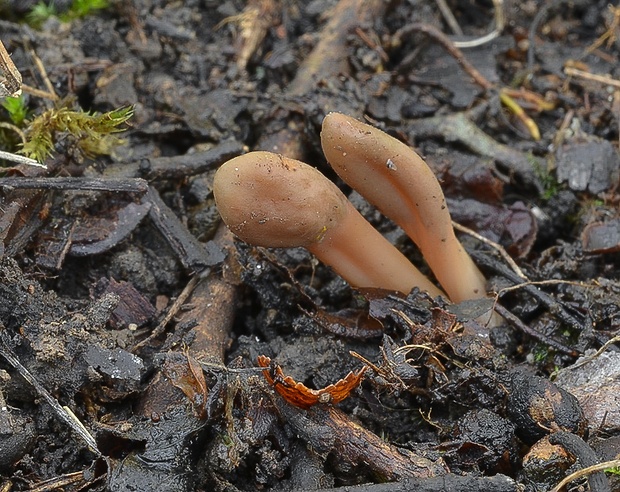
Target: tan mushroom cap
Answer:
[[269, 200]]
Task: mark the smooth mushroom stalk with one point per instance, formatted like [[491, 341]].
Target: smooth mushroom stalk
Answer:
[[391, 176], [269, 200]]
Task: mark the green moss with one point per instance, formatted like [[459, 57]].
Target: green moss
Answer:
[[79, 8], [82, 8], [16, 107], [40, 13], [541, 354], [91, 133], [550, 184]]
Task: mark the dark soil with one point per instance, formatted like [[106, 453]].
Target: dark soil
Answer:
[[124, 299]]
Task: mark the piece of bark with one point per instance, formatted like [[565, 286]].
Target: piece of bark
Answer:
[[214, 304], [212, 314], [192, 253], [449, 482], [132, 308], [602, 237], [19, 219], [328, 429], [180, 166], [459, 128]]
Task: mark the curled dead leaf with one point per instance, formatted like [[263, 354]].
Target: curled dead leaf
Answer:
[[301, 396]]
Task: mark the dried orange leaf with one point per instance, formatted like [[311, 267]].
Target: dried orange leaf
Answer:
[[300, 395]]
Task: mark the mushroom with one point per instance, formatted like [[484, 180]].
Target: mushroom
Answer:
[[395, 179], [269, 200]]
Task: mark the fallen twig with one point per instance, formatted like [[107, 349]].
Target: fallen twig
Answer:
[[603, 79], [459, 128], [451, 482], [576, 446], [67, 417], [327, 428], [553, 305], [517, 323]]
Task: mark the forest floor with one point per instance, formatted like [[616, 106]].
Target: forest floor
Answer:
[[128, 308]]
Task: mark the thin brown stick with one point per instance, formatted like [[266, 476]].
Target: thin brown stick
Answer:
[[586, 471], [448, 16], [603, 79], [500, 249], [43, 72], [518, 324], [39, 93], [174, 309], [447, 44]]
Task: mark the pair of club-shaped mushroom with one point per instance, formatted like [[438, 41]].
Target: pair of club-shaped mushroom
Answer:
[[269, 200]]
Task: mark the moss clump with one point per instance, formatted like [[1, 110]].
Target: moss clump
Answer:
[[550, 184], [42, 11], [92, 133], [17, 109]]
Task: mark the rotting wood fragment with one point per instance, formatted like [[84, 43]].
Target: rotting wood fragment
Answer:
[[213, 306], [190, 251], [328, 58], [84, 184], [537, 407], [586, 455], [133, 307], [602, 237], [458, 128], [450, 482], [180, 166], [327, 429]]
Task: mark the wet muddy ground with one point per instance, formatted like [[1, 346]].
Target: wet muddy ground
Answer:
[[126, 306]]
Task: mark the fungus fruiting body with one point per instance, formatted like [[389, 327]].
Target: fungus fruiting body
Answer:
[[269, 200], [391, 176]]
